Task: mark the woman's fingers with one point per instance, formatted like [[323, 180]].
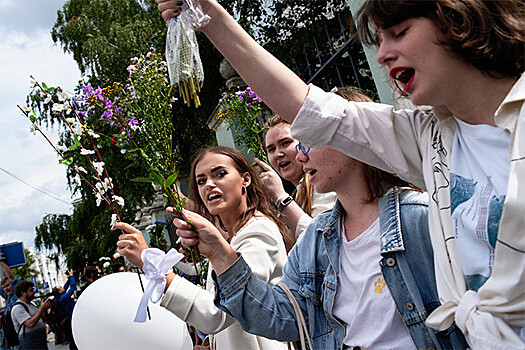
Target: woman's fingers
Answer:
[[169, 8], [263, 165], [125, 227]]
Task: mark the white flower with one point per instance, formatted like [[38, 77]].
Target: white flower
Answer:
[[81, 169], [62, 96], [150, 227], [119, 200], [62, 148], [26, 109], [123, 151], [47, 99], [113, 220], [116, 255], [135, 59], [104, 258], [132, 68], [86, 152], [98, 198], [99, 167], [77, 128], [71, 120], [106, 264], [32, 129], [93, 134], [57, 107]]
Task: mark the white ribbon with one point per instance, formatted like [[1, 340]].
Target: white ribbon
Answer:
[[156, 265]]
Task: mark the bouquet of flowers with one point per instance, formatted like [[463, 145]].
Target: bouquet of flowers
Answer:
[[89, 167], [243, 110]]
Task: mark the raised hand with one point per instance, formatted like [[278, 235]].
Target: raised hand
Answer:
[[208, 239], [131, 243], [172, 8], [271, 181]]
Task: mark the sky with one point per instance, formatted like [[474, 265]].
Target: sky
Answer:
[[26, 48]]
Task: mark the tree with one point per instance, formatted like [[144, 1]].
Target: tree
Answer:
[[25, 271]]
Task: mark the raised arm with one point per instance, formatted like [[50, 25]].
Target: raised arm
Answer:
[[281, 89], [7, 271]]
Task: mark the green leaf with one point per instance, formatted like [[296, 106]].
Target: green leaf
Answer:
[[171, 179], [143, 179], [66, 161], [32, 118], [44, 87]]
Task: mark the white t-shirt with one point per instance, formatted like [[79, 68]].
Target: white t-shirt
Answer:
[[363, 301], [479, 171]]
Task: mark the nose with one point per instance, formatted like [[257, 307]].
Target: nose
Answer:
[[385, 53], [301, 157]]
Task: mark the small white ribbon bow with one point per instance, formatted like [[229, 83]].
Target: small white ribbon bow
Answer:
[[156, 265]]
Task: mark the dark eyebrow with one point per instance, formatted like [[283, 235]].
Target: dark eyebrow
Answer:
[[212, 170]]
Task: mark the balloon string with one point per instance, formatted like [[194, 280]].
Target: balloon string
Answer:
[[142, 286]]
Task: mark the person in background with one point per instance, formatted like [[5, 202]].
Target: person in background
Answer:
[[29, 319], [91, 274], [305, 203], [65, 300], [8, 339]]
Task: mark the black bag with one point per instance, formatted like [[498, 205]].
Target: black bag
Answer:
[[10, 333], [56, 318]]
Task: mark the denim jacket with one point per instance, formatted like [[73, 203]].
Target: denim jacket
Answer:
[[312, 270]]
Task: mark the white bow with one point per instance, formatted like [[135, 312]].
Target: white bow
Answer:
[[156, 265]]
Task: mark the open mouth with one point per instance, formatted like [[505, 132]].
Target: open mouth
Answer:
[[311, 172], [214, 196], [403, 75], [284, 164]]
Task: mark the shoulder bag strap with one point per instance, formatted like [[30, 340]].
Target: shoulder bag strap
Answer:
[[301, 323], [21, 325]]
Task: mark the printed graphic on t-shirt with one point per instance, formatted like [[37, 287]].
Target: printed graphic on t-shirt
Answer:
[[379, 285], [476, 213]]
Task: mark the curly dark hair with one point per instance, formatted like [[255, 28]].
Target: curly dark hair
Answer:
[[488, 34], [23, 287]]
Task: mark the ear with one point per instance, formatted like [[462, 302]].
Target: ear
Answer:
[[246, 179]]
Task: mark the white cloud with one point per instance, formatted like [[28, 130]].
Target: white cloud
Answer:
[[21, 153]]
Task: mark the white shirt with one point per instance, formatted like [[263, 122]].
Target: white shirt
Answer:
[[363, 301], [479, 170]]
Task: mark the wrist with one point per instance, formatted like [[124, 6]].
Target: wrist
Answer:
[[224, 256], [279, 199]]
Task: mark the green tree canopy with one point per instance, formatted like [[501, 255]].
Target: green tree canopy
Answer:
[[26, 271]]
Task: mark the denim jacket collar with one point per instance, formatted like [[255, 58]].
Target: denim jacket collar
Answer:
[[389, 219]]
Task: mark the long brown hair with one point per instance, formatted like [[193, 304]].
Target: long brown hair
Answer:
[[376, 180], [256, 197], [303, 195]]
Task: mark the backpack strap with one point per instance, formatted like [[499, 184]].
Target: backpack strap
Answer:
[[22, 325]]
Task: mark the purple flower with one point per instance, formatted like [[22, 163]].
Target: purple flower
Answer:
[[99, 93]]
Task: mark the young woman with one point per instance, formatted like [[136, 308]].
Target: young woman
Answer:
[[464, 58], [362, 272], [223, 185], [297, 211]]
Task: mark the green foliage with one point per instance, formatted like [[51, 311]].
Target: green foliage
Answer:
[[103, 34], [25, 271], [243, 110]]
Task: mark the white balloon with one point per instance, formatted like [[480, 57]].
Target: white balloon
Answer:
[[104, 313]]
